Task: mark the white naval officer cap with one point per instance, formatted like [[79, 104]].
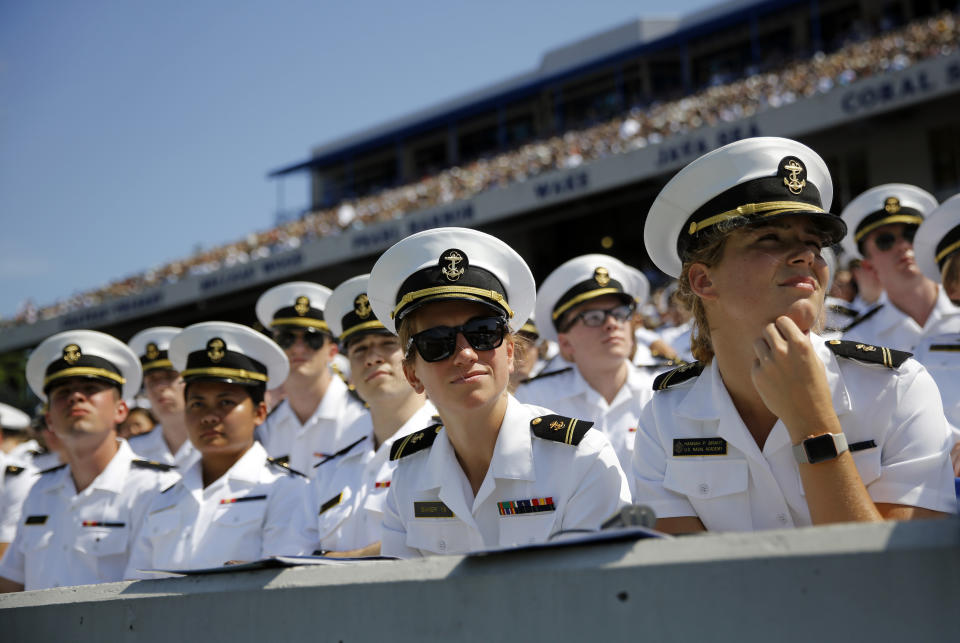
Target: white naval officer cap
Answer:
[[581, 279], [348, 310], [752, 180], [883, 205], [298, 304], [151, 345], [12, 418], [446, 264], [938, 237], [83, 353], [226, 352]]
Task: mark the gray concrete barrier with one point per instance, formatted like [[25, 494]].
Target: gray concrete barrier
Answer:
[[880, 582]]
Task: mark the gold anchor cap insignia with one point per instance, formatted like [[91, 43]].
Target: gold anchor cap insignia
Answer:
[[602, 276], [152, 352], [453, 264], [361, 306], [71, 354], [796, 174], [216, 349], [302, 305], [891, 204]]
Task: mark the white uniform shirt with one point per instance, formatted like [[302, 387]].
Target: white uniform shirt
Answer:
[[18, 477], [152, 446], [349, 491], [892, 328], [328, 430], [67, 538], [569, 394], [940, 355], [578, 487], [254, 510], [679, 339], [750, 489]]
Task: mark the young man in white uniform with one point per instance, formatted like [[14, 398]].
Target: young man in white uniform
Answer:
[[315, 419]]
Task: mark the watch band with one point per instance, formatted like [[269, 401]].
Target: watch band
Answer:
[[820, 448]]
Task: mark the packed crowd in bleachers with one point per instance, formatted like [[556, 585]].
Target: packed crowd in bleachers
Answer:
[[641, 126]]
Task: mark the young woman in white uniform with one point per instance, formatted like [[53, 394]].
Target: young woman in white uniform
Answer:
[[774, 427], [235, 503], [494, 472]]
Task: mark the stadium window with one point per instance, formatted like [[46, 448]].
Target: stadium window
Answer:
[[839, 26], [477, 143], [945, 158], [429, 159]]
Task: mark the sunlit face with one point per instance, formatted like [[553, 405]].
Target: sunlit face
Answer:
[[164, 389], [137, 423], [307, 362], [766, 272], [221, 417], [82, 407], [607, 344], [376, 367], [468, 379], [897, 262]]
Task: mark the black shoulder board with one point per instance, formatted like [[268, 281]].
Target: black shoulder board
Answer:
[[868, 353], [544, 375], [840, 309], [678, 375], [414, 442], [341, 452], [862, 318], [560, 429], [13, 470], [52, 469], [150, 464], [282, 464], [170, 487]]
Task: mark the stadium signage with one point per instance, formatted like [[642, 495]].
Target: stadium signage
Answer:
[[282, 263], [561, 187], [698, 146], [384, 235], [121, 308], [222, 279], [884, 92]]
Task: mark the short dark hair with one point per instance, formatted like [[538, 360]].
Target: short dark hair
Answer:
[[257, 392]]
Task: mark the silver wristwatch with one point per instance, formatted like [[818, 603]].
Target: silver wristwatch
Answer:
[[820, 448]]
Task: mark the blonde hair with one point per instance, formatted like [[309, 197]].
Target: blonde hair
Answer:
[[950, 275], [708, 254]]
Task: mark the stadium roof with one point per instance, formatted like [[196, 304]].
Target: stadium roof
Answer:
[[623, 42]]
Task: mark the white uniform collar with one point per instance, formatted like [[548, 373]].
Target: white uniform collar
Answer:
[[329, 408], [247, 469], [635, 382], [114, 477]]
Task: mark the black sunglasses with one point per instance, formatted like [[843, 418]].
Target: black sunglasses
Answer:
[[287, 338], [885, 240], [440, 342], [597, 316]]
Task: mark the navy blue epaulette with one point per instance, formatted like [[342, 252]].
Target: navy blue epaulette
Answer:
[[545, 375], [281, 463], [559, 428], [52, 469], [868, 353], [151, 464], [678, 375], [13, 470], [343, 451], [862, 318], [414, 442], [170, 487]]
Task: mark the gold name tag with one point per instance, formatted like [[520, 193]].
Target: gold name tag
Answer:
[[431, 510], [683, 447]]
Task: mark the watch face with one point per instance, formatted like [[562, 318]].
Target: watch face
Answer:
[[820, 448]]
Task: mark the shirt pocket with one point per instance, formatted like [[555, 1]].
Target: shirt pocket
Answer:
[[517, 530], [102, 541], [439, 536], [241, 515], [331, 519], [37, 538], [162, 524], [717, 489]]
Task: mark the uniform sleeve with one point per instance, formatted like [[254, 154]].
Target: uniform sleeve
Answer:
[[601, 491], [649, 465], [915, 464], [13, 565], [11, 502], [141, 553], [290, 528], [393, 541]]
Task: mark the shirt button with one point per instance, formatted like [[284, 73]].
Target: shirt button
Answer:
[[782, 519], [442, 545], [704, 488]]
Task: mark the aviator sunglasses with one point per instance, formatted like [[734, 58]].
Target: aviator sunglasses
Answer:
[[440, 342], [886, 240], [597, 316], [287, 338]]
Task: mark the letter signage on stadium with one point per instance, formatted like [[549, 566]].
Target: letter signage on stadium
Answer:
[[888, 92]]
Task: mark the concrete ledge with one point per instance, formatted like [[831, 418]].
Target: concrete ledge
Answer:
[[883, 582]]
